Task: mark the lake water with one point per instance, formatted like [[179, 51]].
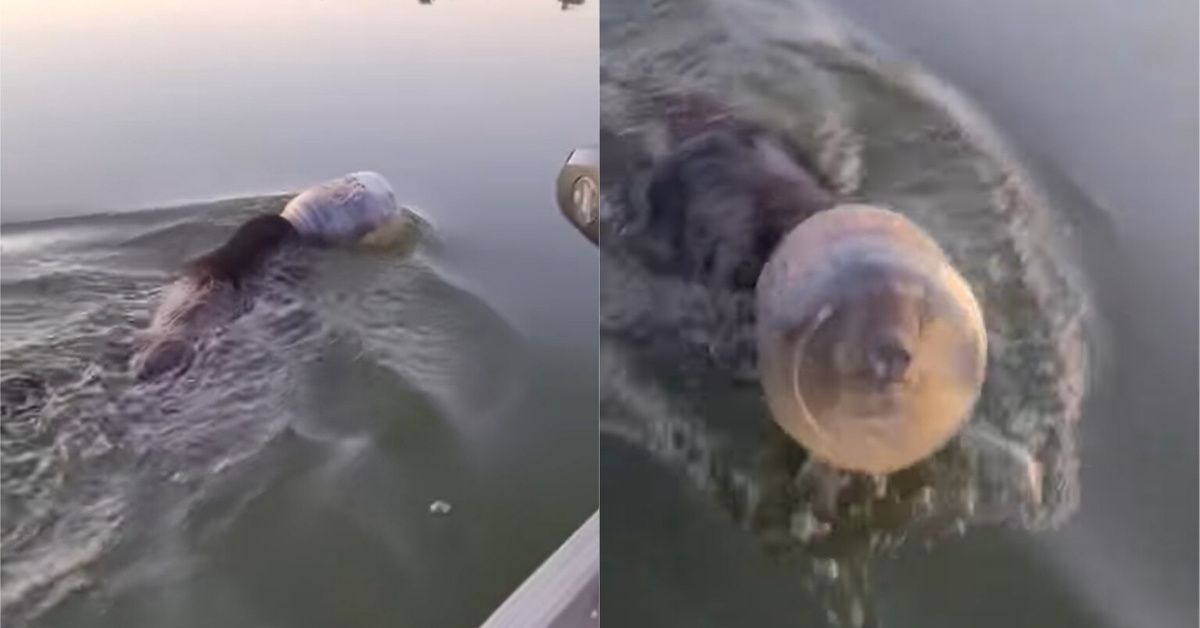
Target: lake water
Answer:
[[287, 480], [1107, 91], [1099, 102], [290, 484]]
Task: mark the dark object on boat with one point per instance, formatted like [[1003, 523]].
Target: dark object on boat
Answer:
[[578, 192]]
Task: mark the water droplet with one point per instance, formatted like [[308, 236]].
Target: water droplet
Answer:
[[827, 569], [925, 498], [880, 483], [857, 615], [805, 526]]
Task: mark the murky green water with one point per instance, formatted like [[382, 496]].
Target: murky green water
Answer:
[[287, 479]]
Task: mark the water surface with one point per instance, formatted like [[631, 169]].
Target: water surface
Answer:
[[701, 568], [286, 479]]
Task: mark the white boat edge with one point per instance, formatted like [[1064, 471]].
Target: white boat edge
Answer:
[[563, 592]]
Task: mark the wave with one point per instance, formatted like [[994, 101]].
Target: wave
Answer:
[[88, 450]]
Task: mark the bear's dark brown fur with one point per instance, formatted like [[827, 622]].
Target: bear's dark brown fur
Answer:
[[244, 252]]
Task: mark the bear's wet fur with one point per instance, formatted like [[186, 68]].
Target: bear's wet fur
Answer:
[[698, 224], [211, 289], [714, 209], [244, 252]]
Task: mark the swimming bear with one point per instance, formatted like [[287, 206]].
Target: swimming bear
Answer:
[[359, 209], [868, 345], [715, 208]]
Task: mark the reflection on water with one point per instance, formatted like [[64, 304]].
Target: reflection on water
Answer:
[[677, 359], [286, 479], [1108, 90], [212, 99]]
